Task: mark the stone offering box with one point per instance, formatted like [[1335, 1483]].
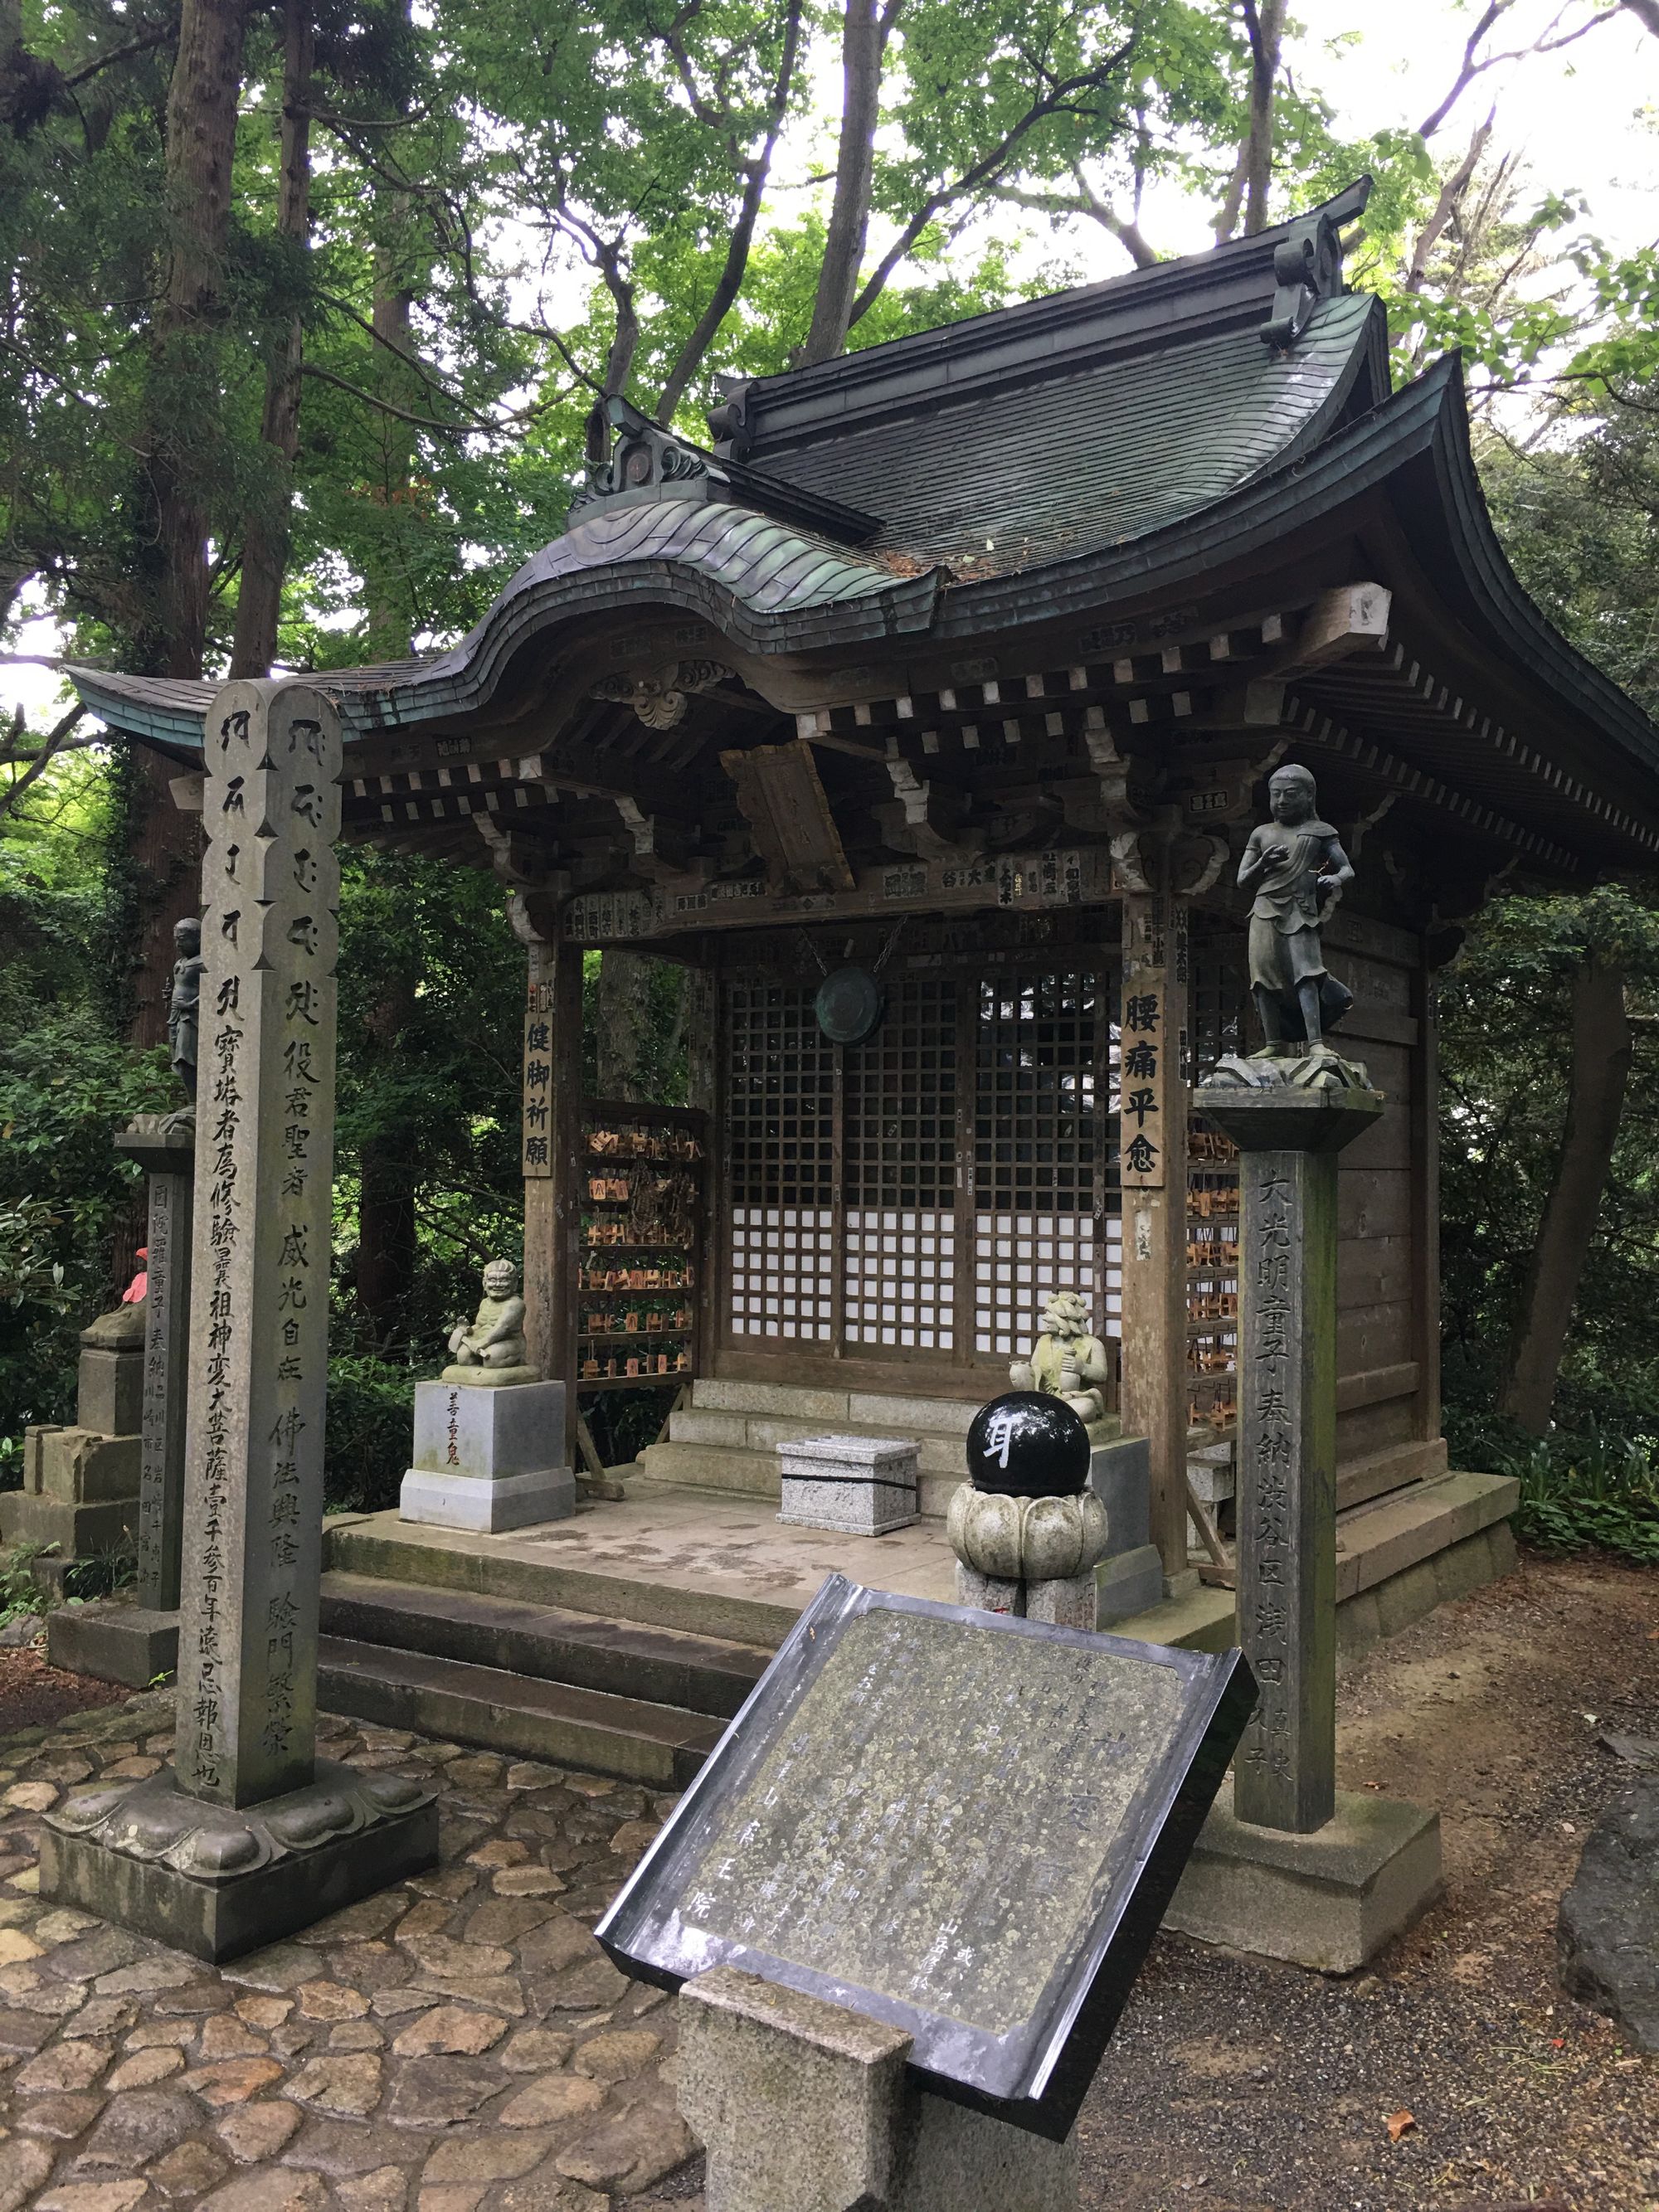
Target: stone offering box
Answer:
[[863, 1486], [488, 1458], [966, 1826]]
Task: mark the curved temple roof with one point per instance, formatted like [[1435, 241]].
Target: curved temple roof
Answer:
[[1065, 457]]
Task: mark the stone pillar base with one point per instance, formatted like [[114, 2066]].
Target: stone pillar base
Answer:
[[476, 1501], [114, 1642], [215, 1880], [1329, 1901], [806, 2106]]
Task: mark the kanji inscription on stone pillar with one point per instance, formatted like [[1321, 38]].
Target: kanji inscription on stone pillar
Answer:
[[247, 1645]]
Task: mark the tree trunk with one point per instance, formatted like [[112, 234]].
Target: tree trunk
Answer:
[[624, 982], [864, 27], [1246, 189], [388, 602], [200, 147], [386, 585], [385, 1271], [265, 536], [1601, 1066]]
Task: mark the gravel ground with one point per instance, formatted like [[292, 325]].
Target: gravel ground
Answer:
[[458, 2044], [1237, 2086]]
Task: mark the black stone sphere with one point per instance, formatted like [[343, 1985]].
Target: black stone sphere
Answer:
[[1028, 1444]]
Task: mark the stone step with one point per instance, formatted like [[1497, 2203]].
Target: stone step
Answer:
[[545, 1643], [748, 1474], [937, 1453], [657, 1745], [875, 1413]]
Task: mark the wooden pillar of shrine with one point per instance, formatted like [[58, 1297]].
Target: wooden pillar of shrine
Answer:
[[1152, 1020], [551, 1140]]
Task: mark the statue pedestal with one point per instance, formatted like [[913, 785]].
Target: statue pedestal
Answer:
[[487, 1456]]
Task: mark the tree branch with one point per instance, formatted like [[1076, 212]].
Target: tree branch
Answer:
[[742, 231], [984, 171]]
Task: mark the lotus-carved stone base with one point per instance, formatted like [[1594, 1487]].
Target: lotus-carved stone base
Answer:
[[217, 1879]]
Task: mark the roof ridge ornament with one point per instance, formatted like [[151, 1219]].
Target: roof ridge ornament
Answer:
[[1308, 266], [643, 458]]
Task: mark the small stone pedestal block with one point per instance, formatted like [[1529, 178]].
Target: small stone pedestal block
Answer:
[[807, 2106], [861, 1486], [1330, 1900], [80, 1484], [1130, 1578], [139, 1644], [488, 1458]]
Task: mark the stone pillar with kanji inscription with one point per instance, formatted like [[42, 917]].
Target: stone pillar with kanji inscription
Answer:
[[551, 1141], [248, 1835], [1287, 1864], [1152, 1175]]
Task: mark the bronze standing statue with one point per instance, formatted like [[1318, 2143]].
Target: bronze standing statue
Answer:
[[1295, 869], [1296, 866]]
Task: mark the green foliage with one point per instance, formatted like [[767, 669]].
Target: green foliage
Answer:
[[1505, 1029], [65, 1084], [431, 1003], [370, 1421], [20, 1594], [1596, 1490]]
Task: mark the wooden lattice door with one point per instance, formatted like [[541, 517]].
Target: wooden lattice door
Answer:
[[918, 1197]]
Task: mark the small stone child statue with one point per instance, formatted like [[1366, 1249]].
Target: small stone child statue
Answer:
[[492, 1349], [1296, 866], [184, 1000]]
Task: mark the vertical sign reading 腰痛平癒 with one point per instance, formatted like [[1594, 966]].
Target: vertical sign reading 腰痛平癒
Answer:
[[259, 1317], [1149, 1055]]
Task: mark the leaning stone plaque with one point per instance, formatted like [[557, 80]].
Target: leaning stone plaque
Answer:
[[967, 1825]]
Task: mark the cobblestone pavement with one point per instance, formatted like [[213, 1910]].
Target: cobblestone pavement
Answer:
[[456, 2044]]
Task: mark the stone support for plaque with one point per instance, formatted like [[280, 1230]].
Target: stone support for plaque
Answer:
[[1284, 1837], [248, 1835], [861, 1486], [806, 2106]]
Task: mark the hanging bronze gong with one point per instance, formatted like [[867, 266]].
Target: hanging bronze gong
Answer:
[[849, 1005]]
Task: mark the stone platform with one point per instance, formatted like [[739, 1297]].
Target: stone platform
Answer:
[[623, 1637]]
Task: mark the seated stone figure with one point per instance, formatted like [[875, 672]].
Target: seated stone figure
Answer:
[[491, 1351], [1065, 1361]]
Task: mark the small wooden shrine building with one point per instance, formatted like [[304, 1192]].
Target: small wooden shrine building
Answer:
[[960, 663]]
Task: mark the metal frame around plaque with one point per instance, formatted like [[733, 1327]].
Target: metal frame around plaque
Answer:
[[1036, 2074]]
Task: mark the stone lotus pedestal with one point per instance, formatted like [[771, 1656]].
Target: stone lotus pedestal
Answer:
[[859, 1486], [487, 1451], [1026, 1529]]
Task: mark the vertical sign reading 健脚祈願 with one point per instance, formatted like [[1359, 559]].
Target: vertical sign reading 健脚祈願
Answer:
[[248, 1646]]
